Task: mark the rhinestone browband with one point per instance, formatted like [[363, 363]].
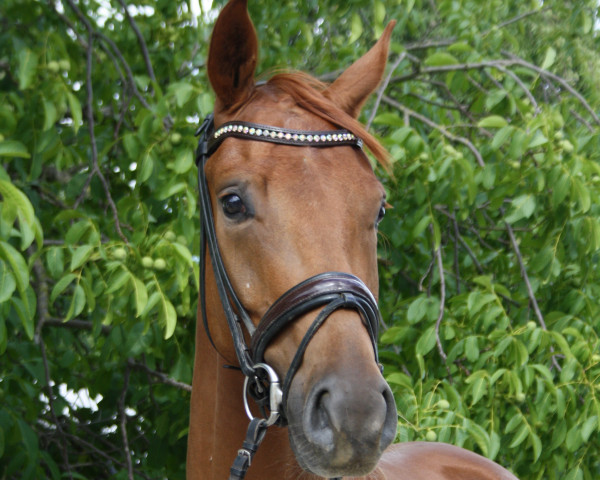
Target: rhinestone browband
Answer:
[[265, 133]]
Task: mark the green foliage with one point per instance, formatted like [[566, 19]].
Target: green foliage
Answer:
[[491, 118]]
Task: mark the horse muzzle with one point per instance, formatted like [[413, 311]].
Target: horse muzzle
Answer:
[[343, 424]]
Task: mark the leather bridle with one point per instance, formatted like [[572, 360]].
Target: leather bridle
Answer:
[[329, 291]]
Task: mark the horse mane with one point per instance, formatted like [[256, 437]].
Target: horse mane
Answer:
[[311, 94]]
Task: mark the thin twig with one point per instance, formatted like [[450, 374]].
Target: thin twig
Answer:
[[513, 60], [123, 423], [435, 126], [95, 170], [532, 299], [556, 78], [456, 257], [440, 266], [382, 88], [582, 120], [141, 41], [526, 90], [75, 325], [48, 388], [518, 18], [161, 376]]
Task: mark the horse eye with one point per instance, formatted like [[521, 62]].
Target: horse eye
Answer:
[[381, 214], [233, 206]]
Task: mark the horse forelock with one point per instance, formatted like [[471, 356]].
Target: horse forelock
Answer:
[[311, 95]]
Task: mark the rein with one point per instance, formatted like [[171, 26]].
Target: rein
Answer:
[[329, 291]]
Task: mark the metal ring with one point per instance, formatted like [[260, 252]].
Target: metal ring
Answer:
[[275, 394]]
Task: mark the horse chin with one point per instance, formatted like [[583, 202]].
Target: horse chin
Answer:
[[335, 432], [337, 462]]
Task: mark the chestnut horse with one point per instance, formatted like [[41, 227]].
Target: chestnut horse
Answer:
[[290, 212]]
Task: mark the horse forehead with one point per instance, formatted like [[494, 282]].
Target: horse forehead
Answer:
[[271, 106], [293, 171]]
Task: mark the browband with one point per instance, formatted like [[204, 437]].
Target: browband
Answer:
[[283, 136]]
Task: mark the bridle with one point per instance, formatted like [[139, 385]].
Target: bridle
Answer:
[[329, 291]]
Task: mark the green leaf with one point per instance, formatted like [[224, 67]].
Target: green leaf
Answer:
[[522, 206], [140, 294], [549, 58], [520, 436], [426, 342], [169, 317], [537, 140], [536, 443], [7, 282], [118, 279], [440, 59], [481, 437], [50, 114], [582, 194], [17, 264], [588, 428], [13, 148], [379, 12], [80, 256], [27, 61], [493, 121], [472, 348], [501, 137], [77, 303], [479, 383], [183, 91], [574, 438], [75, 109], [61, 285], [14, 199], [513, 423], [55, 261], [356, 28], [184, 160], [147, 167]]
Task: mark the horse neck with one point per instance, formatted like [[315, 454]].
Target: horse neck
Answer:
[[218, 423]]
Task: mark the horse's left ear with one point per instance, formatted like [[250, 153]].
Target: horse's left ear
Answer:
[[353, 87], [232, 55]]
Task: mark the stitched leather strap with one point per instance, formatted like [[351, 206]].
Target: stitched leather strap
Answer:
[[309, 295], [283, 136]]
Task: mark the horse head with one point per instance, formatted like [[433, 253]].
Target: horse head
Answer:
[[295, 226]]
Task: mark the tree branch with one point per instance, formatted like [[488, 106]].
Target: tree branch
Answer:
[[95, 170], [435, 126], [440, 266], [141, 41], [382, 88], [123, 423], [48, 388], [160, 376], [530, 292]]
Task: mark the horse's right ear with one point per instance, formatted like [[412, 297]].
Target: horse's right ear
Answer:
[[232, 55]]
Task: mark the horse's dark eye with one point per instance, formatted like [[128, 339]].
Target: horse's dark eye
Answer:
[[233, 206], [381, 213]]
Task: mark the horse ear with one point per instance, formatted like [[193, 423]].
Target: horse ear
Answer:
[[353, 87], [232, 55]]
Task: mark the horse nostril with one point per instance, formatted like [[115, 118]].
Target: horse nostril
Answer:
[[317, 421]]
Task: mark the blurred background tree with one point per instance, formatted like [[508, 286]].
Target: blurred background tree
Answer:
[[489, 258]]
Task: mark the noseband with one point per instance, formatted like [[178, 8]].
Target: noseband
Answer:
[[329, 291]]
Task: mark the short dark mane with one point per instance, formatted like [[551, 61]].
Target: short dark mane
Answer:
[[311, 94]]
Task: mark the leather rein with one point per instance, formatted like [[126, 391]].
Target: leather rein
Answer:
[[329, 291]]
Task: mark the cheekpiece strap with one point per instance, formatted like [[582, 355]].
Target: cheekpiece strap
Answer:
[[283, 136]]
